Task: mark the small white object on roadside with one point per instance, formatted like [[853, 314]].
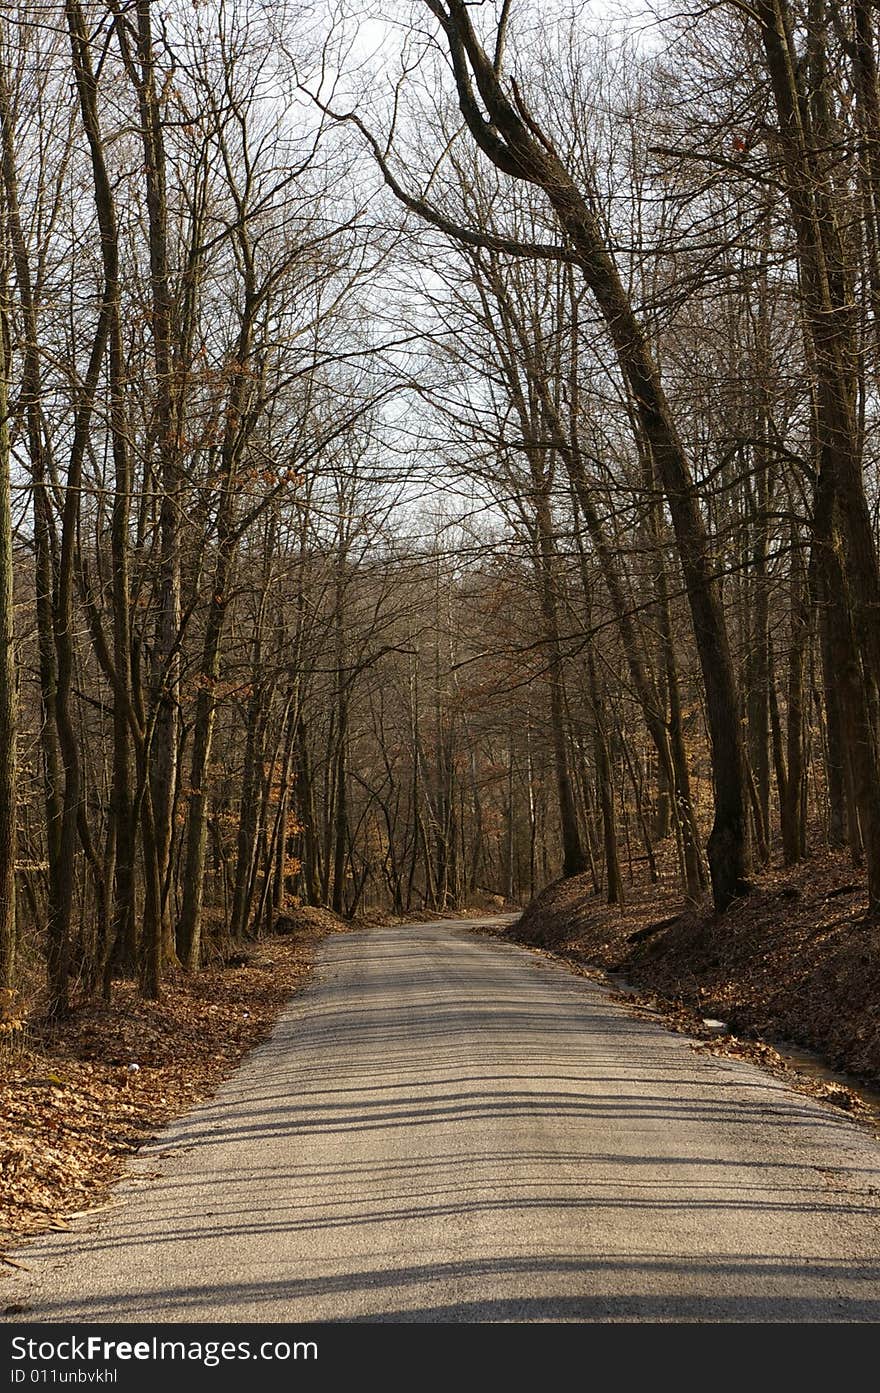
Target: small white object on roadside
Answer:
[[134, 1068], [716, 1027]]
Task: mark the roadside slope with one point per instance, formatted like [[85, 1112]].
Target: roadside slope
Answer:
[[792, 961]]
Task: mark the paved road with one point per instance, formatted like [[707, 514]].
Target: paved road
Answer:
[[448, 1128]]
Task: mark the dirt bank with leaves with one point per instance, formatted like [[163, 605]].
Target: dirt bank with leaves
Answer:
[[77, 1099]]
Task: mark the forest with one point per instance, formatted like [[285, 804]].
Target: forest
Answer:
[[438, 455]]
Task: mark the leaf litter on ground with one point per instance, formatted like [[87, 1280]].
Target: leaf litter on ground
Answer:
[[72, 1108]]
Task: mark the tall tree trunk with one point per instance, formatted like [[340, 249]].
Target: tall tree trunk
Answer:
[[858, 726], [340, 806], [105, 208], [793, 830], [605, 784], [246, 849], [189, 935], [343, 683], [311, 871], [167, 432], [573, 859], [8, 694], [835, 767], [44, 563], [189, 929], [757, 698], [807, 134]]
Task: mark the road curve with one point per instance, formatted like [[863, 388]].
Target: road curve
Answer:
[[444, 1127]]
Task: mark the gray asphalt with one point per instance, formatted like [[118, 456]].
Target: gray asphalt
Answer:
[[444, 1127]]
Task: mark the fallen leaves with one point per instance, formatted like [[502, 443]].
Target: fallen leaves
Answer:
[[72, 1107]]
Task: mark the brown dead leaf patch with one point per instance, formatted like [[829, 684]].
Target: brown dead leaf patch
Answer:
[[72, 1107], [314, 917]]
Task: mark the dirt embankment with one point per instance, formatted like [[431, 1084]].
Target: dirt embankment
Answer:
[[794, 961]]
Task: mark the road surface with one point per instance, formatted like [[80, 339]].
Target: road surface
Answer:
[[445, 1127]]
